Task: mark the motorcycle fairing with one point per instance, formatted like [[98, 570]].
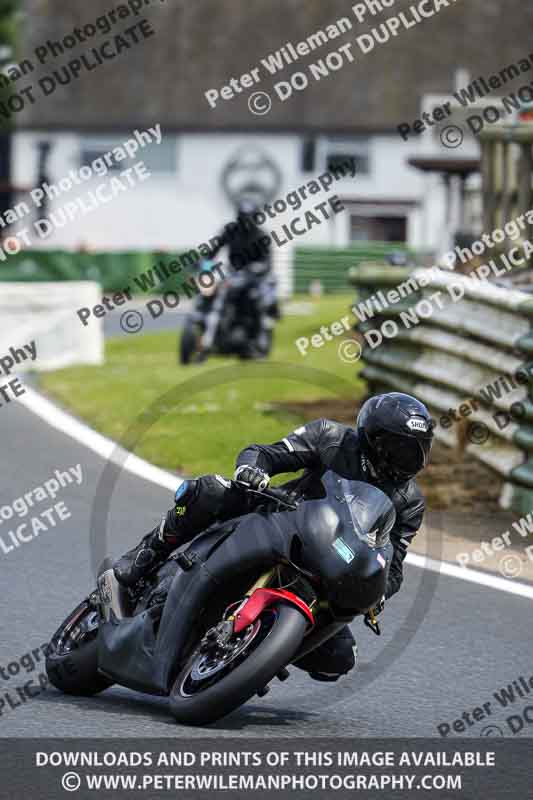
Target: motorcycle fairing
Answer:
[[133, 653], [345, 539], [130, 652], [126, 650]]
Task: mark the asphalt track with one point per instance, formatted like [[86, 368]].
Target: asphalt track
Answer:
[[448, 658], [170, 319]]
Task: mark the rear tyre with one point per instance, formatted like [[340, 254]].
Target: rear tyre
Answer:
[[72, 658], [206, 690]]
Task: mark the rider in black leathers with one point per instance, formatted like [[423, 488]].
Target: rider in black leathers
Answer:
[[248, 253], [390, 444], [245, 240]]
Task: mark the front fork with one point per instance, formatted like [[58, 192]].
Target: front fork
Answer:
[[316, 610], [259, 597]]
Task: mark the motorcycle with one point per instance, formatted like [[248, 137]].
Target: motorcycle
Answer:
[[229, 611], [237, 316]]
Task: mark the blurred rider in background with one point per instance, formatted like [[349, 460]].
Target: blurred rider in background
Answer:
[[249, 256]]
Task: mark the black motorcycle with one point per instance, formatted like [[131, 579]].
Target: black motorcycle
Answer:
[[229, 611], [236, 318]]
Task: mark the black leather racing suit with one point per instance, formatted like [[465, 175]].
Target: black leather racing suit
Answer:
[[246, 243], [324, 444], [248, 253], [315, 447]]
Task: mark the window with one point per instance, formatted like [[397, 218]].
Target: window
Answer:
[[159, 158], [378, 229], [308, 155], [337, 151]]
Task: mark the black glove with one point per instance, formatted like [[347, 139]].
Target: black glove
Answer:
[[253, 477]]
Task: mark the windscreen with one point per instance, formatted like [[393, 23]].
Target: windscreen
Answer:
[[345, 540], [361, 506]]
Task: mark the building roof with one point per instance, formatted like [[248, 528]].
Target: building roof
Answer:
[[201, 45]]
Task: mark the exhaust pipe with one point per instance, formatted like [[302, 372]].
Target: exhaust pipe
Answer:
[[114, 598]]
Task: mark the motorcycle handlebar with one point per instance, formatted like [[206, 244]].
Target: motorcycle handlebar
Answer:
[[271, 493], [279, 495]]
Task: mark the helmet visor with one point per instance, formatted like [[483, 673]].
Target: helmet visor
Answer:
[[401, 456]]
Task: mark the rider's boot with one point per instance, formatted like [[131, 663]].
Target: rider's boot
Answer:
[[156, 546], [153, 550]]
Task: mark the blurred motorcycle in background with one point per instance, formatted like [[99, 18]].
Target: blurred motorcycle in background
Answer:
[[234, 316]]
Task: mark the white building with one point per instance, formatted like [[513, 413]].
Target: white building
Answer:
[[354, 113]]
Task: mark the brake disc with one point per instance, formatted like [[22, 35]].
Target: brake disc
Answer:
[[221, 652]]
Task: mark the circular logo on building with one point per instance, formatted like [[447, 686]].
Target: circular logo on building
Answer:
[[251, 175]]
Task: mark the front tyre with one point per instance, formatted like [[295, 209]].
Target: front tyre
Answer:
[[215, 682], [71, 659], [189, 346], [266, 342]]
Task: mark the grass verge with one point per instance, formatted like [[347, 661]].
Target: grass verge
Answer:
[[195, 428]]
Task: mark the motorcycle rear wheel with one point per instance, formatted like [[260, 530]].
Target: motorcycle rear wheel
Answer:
[[265, 648], [72, 658]]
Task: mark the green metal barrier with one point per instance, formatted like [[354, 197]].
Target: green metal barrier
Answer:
[[118, 270], [331, 266], [449, 357], [114, 271]]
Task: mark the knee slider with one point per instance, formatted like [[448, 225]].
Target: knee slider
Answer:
[[325, 677], [332, 659], [213, 490], [177, 518], [342, 653], [185, 492], [198, 504]]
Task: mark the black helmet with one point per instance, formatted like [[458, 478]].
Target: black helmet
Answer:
[[396, 432]]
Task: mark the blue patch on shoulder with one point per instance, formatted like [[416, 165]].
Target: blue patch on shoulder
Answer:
[[180, 491]]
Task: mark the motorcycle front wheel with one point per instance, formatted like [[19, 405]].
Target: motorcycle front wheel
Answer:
[[218, 679], [189, 345]]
